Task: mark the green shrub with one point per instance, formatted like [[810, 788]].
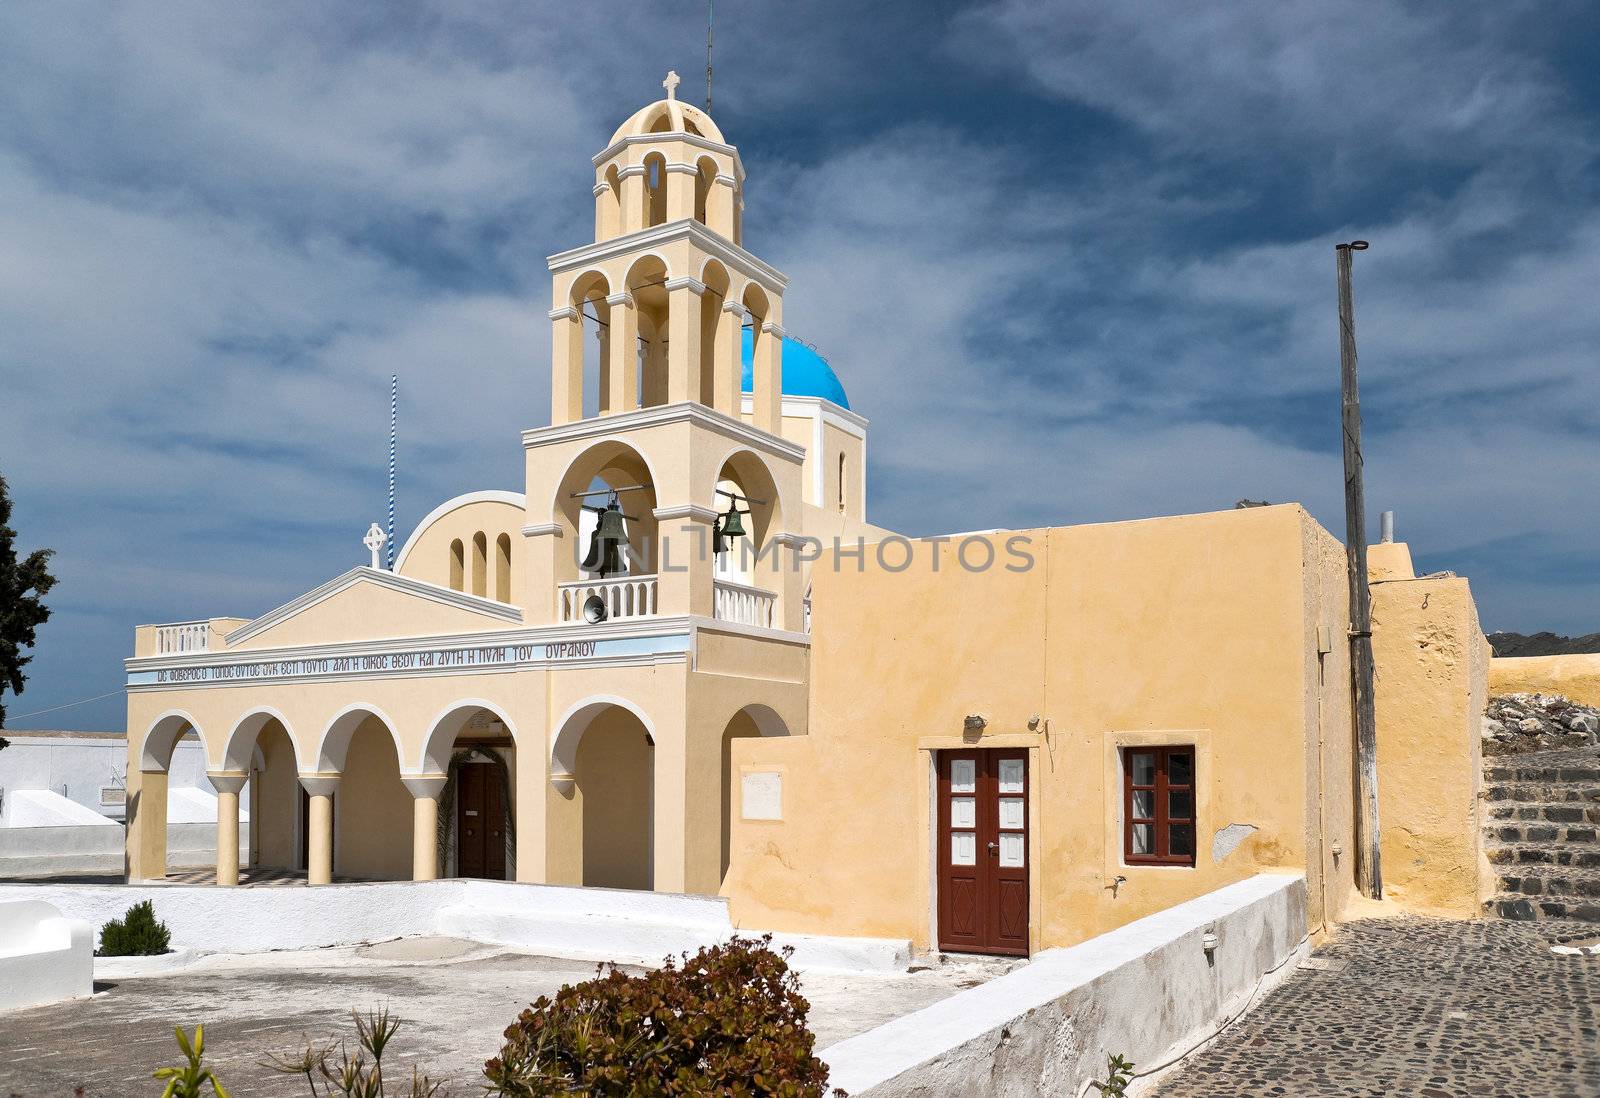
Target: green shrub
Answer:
[[730, 1021], [136, 934]]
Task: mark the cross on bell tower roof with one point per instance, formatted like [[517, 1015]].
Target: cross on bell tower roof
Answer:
[[671, 84]]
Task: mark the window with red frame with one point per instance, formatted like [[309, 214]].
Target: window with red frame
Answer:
[[1158, 825]]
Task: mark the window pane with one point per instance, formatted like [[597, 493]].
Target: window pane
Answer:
[[963, 812], [1144, 804], [963, 775], [1144, 838], [1181, 838], [1142, 765], [1180, 768], [1011, 850], [963, 848], [1011, 813], [1011, 775], [1180, 804]]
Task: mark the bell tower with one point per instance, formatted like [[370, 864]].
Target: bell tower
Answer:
[[666, 286], [647, 349]]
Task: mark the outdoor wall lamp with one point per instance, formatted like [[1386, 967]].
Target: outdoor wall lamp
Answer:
[[975, 723]]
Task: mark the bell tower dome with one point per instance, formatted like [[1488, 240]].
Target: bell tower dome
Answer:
[[654, 311]]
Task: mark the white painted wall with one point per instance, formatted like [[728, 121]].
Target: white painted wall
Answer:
[[52, 821], [78, 766], [583, 923], [1147, 991], [44, 957]]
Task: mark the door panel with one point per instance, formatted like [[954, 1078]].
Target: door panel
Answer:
[[469, 821], [982, 842]]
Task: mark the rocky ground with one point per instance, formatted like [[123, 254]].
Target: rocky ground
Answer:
[[1514, 724]]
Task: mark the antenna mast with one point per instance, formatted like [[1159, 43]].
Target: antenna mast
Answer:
[[394, 423], [709, 14]]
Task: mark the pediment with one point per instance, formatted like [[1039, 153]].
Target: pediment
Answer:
[[372, 604]]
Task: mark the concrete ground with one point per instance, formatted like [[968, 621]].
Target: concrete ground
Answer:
[[455, 997], [1421, 1008]]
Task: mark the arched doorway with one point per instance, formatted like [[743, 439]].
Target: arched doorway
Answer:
[[262, 746], [751, 722], [473, 744], [605, 759], [372, 812]]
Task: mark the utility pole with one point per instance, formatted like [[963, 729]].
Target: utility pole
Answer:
[[1370, 866], [708, 55]]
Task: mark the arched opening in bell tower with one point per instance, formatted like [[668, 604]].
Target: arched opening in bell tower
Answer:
[[646, 284], [655, 189]]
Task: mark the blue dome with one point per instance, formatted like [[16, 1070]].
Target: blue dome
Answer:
[[805, 373]]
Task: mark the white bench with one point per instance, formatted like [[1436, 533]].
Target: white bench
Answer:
[[44, 957]]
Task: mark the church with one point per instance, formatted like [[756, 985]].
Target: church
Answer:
[[680, 658]]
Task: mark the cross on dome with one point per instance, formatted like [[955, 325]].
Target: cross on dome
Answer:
[[671, 84]]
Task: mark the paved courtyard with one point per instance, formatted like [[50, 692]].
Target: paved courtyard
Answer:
[[456, 999], [1422, 1009]]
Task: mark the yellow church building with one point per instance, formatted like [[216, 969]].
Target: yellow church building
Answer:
[[681, 659]]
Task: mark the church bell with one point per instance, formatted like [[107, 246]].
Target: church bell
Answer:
[[605, 548]]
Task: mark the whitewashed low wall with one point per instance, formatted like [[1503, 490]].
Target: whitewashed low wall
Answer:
[[1147, 991], [101, 848], [582, 923], [44, 957]]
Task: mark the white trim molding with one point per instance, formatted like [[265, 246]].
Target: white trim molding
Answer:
[[736, 309], [691, 511], [601, 188], [543, 529], [726, 180], [692, 412], [623, 298], [492, 495], [391, 580], [694, 285], [774, 328], [711, 243], [631, 170], [697, 140], [683, 169], [566, 312]]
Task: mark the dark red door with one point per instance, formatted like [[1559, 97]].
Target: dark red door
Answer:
[[480, 823], [983, 851]]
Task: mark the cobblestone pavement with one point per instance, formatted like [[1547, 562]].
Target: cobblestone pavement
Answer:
[[1419, 1009], [455, 999]]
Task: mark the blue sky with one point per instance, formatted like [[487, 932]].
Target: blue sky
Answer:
[[1073, 260]]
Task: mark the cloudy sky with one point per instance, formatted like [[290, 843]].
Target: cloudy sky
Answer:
[[1074, 260]]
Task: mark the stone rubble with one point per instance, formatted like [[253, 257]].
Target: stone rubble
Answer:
[[1514, 724]]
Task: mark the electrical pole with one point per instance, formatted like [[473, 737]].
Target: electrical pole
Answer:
[[708, 55], [1370, 866]]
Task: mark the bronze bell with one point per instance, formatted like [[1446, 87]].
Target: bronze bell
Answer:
[[732, 524], [605, 548]]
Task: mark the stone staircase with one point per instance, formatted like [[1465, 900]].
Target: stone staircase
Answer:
[[1541, 831]]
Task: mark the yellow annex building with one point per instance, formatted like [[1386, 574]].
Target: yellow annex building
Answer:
[[681, 659]]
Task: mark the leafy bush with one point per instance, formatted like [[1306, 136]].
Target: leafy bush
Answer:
[[186, 1081], [730, 1020], [351, 1074], [136, 934], [1119, 1075]]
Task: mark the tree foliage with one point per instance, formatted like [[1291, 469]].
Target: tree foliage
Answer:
[[729, 1021], [23, 585]]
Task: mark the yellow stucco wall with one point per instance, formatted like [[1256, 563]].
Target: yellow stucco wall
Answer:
[[275, 802], [1183, 630], [1576, 677], [1431, 684], [372, 811], [427, 555]]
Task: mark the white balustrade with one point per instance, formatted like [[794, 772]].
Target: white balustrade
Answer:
[[183, 636], [744, 605], [624, 597]]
